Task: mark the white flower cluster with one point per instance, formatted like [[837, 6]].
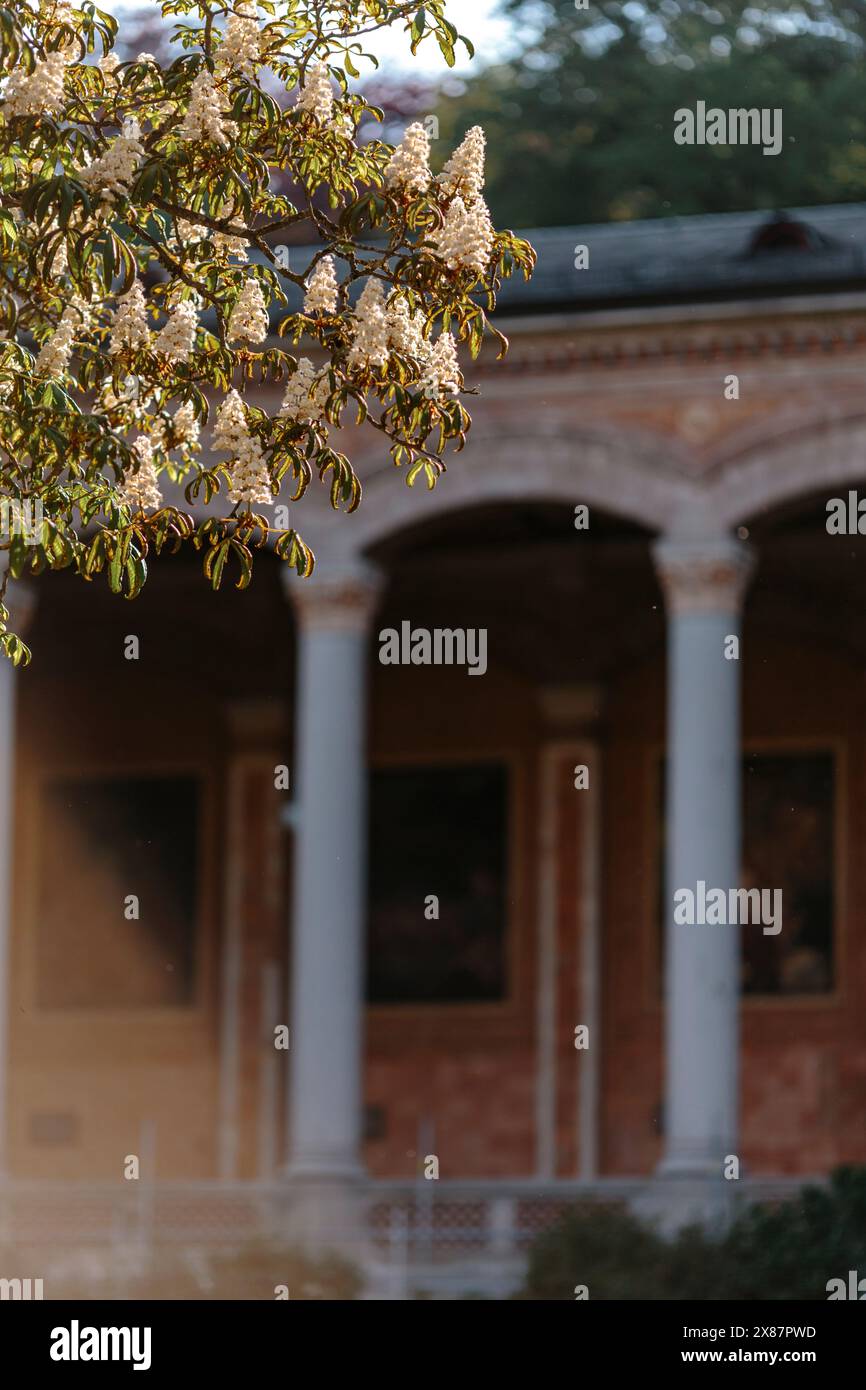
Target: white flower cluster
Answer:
[[380, 328], [185, 429], [464, 171], [306, 394], [54, 355], [176, 339], [57, 11], [140, 490], [108, 65], [442, 370], [405, 334], [248, 321], [188, 234], [113, 171], [370, 340], [465, 241], [205, 117], [321, 295], [226, 244], [39, 92], [240, 49], [129, 327], [317, 95], [344, 123], [249, 474], [408, 169]]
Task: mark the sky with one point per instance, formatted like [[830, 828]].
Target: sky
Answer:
[[474, 18]]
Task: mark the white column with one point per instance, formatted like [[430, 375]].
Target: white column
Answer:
[[334, 611], [20, 599], [704, 580]]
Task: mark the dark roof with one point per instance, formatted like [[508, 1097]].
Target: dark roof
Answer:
[[674, 259]]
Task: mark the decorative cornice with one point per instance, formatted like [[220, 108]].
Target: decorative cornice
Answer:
[[343, 600], [703, 575], [689, 344]]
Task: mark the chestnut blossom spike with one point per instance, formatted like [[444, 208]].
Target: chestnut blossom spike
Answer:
[[316, 94], [188, 233], [343, 123], [205, 118], [40, 92], [306, 394], [241, 47], [129, 327], [60, 12], [248, 321], [405, 333], [442, 373], [250, 482], [186, 427], [108, 65], [54, 356], [185, 430], [464, 171], [140, 490], [176, 339], [465, 241], [225, 244], [370, 340], [113, 171], [408, 169], [322, 289]]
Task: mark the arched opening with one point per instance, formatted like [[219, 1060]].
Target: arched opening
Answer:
[[804, 708], [479, 912]]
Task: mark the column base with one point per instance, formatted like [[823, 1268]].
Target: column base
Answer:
[[326, 1208], [687, 1196]]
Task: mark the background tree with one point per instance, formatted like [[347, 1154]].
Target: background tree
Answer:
[[140, 206], [581, 124]]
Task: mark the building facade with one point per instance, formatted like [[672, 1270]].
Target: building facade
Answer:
[[284, 916]]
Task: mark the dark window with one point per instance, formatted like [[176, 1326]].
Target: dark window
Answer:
[[103, 842], [438, 832], [788, 842], [788, 836]]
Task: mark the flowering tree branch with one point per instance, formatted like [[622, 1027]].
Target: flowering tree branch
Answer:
[[136, 196]]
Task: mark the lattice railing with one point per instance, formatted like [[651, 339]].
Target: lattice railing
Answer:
[[413, 1219]]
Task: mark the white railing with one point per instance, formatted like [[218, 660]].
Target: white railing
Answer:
[[429, 1220]]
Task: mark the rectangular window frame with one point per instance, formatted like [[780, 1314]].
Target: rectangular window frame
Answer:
[[837, 748], [204, 949], [389, 1022]]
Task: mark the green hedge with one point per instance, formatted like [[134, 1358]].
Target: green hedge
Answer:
[[785, 1251]]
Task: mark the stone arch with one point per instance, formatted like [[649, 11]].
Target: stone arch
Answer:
[[831, 455], [633, 480]]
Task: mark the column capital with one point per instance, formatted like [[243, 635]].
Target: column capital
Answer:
[[703, 574], [342, 599]]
